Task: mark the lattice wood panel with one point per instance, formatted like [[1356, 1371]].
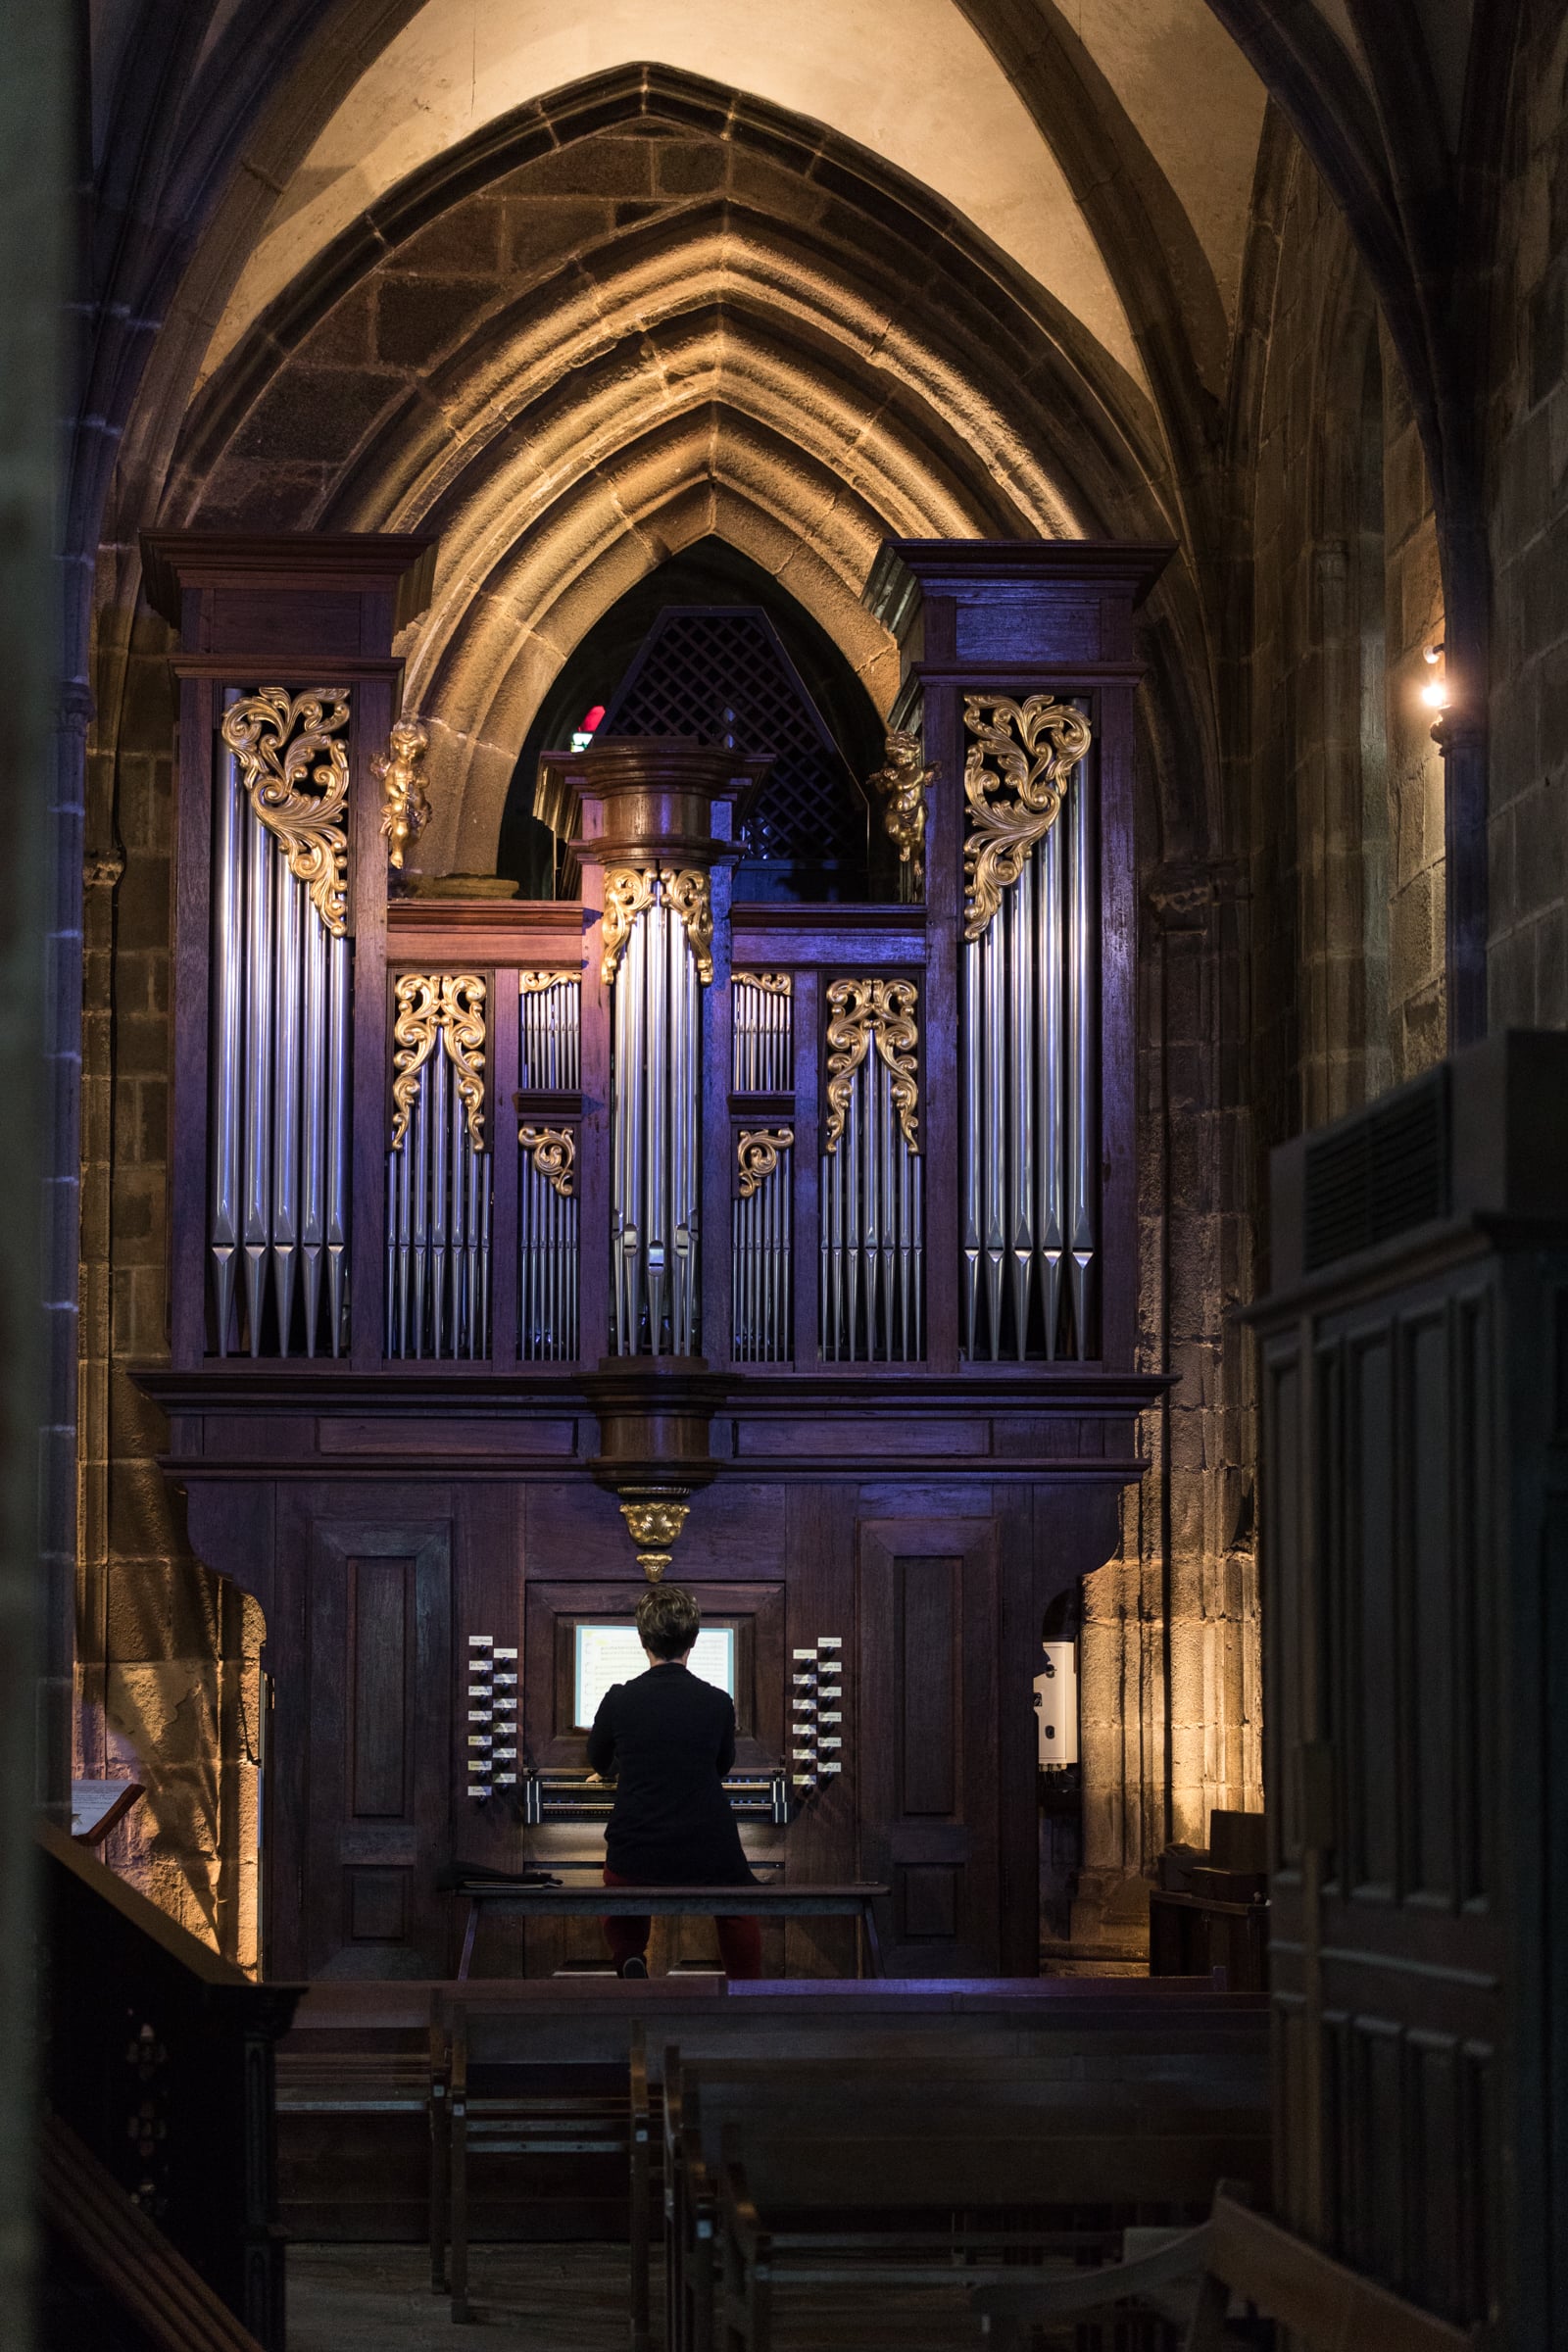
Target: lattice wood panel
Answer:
[[722, 674]]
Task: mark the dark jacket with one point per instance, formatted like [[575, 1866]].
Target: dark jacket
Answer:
[[669, 1738]]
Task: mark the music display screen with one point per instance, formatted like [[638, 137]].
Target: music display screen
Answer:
[[602, 1654]]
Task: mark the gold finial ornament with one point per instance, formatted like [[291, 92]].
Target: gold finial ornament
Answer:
[[404, 803], [653, 1528], [859, 1012], [756, 1152], [1032, 746], [449, 1006], [553, 1152], [296, 775], [629, 890], [686, 890], [904, 783]]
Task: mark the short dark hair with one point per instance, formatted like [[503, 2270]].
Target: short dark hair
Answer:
[[667, 1619]]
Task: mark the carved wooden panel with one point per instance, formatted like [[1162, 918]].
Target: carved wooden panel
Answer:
[[377, 1761], [927, 1745], [1385, 1954]]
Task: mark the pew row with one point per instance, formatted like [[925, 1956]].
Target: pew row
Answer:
[[876, 2172]]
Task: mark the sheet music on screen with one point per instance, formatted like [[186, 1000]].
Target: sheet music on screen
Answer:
[[613, 1653]]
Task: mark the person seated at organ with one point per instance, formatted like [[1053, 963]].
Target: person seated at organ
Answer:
[[668, 1740]]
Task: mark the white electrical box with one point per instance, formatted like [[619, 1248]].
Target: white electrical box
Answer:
[[1056, 1705]]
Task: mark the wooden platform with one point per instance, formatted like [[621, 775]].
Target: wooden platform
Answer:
[[353, 2132]]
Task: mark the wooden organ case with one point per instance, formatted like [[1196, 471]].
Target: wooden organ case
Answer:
[[523, 1248]]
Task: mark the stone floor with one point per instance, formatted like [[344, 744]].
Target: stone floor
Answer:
[[377, 2298], [568, 2299]]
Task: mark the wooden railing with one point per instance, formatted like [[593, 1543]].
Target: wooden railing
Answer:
[[160, 2060]]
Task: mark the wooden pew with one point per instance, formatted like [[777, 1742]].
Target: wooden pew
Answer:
[[941, 2202], [471, 2120], [1238, 2251], [816, 2171], [1126, 2082]]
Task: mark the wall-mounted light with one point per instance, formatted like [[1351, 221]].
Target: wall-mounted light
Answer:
[[1435, 693]]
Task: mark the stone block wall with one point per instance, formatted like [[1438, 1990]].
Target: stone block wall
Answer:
[[1527, 436], [168, 1655]]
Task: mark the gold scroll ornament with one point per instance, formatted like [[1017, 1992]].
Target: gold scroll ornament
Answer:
[[654, 1526], [629, 892], [449, 1006], [296, 775], [858, 1010], [1033, 746], [905, 784], [553, 1152], [771, 983], [756, 1152], [404, 803]]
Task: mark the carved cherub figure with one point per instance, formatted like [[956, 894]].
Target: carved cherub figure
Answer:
[[405, 807], [904, 783]]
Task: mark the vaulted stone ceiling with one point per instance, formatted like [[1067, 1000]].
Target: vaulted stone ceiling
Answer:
[[940, 265], [913, 81]]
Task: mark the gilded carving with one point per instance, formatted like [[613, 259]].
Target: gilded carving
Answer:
[[905, 784], [535, 984], [756, 1152], [463, 1034], [654, 1526], [404, 803], [860, 1012], [296, 775], [1032, 748], [629, 890], [771, 983], [449, 1006], [553, 1152], [686, 890]]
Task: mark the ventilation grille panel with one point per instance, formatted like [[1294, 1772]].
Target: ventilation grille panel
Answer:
[[1381, 1177]]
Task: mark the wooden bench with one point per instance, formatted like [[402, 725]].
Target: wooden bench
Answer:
[[810, 2170], [471, 2121], [1238, 2251], [510, 1901], [959, 2205], [1098, 2056]]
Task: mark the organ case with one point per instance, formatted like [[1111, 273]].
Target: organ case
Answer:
[[515, 1244]]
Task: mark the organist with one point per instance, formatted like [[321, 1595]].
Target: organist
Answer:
[[668, 1740]]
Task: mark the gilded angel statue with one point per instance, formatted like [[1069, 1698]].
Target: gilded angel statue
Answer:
[[904, 783], [405, 806]]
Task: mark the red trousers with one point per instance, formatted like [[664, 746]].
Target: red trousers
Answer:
[[740, 1940]]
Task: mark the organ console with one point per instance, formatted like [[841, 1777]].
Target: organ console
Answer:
[[523, 1250]]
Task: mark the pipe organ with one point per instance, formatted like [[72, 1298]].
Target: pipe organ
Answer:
[[523, 1248]]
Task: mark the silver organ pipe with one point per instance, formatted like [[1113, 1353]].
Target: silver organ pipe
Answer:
[[227, 1115], [280, 1075], [656, 1091], [873, 1203], [762, 1052], [550, 1032], [1030, 1069], [339, 994], [439, 1191], [1082, 1144], [261, 1034], [763, 1063], [314, 1123]]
